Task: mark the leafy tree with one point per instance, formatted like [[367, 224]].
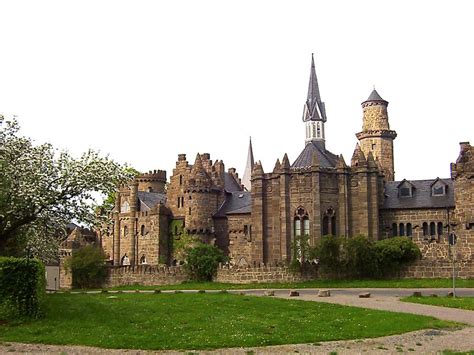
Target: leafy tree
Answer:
[[359, 256], [88, 267], [203, 260], [41, 190]]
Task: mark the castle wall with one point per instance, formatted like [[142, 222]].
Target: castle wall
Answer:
[[240, 239]]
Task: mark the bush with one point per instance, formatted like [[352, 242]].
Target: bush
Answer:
[[22, 285], [359, 257], [88, 267], [329, 255], [202, 261], [391, 254]]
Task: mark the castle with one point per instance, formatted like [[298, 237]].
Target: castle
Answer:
[[257, 220]]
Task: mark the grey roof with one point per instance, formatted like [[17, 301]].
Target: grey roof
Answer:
[[374, 96], [314, 105], [148, 200], [230, 185], [325, 157], [235, 203], [422, 197]]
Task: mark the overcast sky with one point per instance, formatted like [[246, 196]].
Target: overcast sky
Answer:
[[147, 80]]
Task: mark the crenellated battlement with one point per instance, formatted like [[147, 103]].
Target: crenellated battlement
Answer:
[[155, 175]]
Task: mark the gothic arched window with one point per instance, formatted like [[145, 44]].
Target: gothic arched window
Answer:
[[301, 222]]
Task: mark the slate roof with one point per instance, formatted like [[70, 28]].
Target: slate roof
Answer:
[[148, 200], [325, 157], [374, 96], [230, 185], [235, 203], [422, 197]]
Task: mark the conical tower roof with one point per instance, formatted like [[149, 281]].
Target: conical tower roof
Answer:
[[375, 97]]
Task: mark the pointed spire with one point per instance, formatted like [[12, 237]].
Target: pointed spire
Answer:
[[285, 163], [248, 168], [314, 108], [277, 166], [341, 164], [371, 161], [358, 158]]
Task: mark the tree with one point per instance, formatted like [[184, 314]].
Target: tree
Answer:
[[42, 189], [88, 267]]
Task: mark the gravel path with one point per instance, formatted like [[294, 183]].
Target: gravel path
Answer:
[[419, 342]]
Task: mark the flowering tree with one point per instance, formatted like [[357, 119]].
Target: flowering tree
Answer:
[[41, 190]]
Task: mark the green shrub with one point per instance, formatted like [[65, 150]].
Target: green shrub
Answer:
[[88, 267], [202, 261], [359, 257], [22, 286], [391, 254], [329, 255]]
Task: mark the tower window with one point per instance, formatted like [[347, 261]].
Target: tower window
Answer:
[[190, 211], [179, 202], [125, 231], [142, 230], [373, 146], [319, 130], [181, 179]]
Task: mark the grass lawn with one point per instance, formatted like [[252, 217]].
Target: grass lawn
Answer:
[[202, 321], [391, 283], [458, 302]]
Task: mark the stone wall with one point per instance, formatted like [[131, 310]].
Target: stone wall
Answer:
[[146, 275], [429, 268], [259, 274]]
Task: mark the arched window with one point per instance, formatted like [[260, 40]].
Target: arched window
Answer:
[[401, 230], [125, 231], [333, 225], [325, 225], [394, 230], [125, 260], [142, 230], [150, 189], [409, 230], [125, 207], [425, 229], [143, 260], [440, 228], [297, 228], [432, 228], [181, 179], [301, 222]]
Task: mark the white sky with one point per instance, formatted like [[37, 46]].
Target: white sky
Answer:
[[146, 80]]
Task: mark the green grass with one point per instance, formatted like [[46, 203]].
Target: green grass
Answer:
[[392, 283], [202, 321], [458, 302]]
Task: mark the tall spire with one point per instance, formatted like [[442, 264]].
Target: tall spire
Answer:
[[314, 109], [248, 168]]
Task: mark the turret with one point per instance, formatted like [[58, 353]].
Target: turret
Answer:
[[153, 181], [314, 111], [376, 136]]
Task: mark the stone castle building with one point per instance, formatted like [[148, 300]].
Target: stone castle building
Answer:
[[316, 195]]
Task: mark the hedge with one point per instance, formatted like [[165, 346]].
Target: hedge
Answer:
[[22, 285]]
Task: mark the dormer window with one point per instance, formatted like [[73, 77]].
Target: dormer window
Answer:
[[405, 189], [405, 192], [438, 188], [438, 191]]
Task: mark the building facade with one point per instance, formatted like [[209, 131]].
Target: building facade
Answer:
[[318, 194]]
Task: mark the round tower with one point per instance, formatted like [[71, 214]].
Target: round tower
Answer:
[[153, 181], [376, 136]]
